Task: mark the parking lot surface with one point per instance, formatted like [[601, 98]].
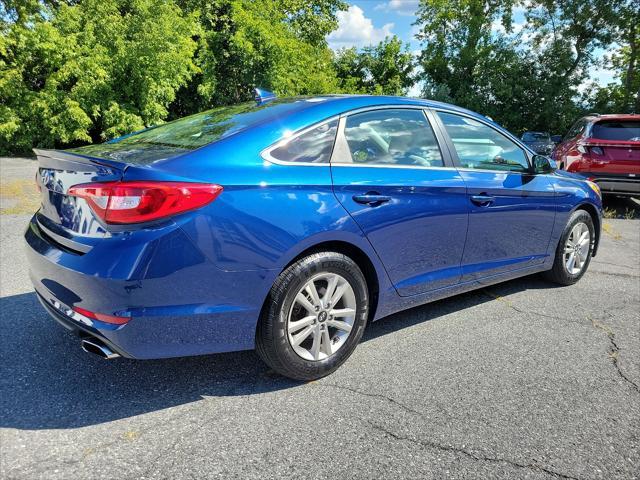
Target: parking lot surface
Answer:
[[519, 380]]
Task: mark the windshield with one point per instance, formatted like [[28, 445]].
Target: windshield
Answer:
[[536, 137], [625, 130], [185, 134]]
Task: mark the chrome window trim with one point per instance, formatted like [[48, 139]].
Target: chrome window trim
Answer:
[[341, 140], [404, 167], [266, 153], [370, 108], [486, 170]]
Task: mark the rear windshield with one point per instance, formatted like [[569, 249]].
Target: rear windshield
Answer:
[[185, 134], [627, 130], [535, 137]]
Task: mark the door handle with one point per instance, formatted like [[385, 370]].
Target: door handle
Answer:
[[371, 198], [482, 200]]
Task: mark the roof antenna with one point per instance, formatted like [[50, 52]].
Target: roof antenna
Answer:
[[263, 96]]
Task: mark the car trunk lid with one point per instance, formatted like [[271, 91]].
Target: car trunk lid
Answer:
[[615, 157], [60, 213]]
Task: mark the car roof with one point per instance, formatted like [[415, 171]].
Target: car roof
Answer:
[[612, 116], [344, 103], [286, 115]]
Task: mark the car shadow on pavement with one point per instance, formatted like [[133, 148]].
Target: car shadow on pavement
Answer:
[[48, 382]]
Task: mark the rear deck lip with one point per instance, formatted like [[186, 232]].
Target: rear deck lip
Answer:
[[77, 157]]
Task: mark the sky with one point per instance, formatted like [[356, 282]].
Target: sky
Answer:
[[368, 22]]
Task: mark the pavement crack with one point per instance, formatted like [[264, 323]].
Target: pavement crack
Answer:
[[476, 457], [614, 352], [375, 395], [612, 274], [401, 405], [518, 309]]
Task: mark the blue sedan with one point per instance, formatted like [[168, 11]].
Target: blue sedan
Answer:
[[288, 224]]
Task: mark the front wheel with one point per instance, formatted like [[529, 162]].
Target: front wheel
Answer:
[[573, 254], [314, 317]]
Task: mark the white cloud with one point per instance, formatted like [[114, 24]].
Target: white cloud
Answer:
[[401, 7], [356, 30]]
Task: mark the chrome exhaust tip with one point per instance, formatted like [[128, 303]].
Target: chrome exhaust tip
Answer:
[[95, 346]]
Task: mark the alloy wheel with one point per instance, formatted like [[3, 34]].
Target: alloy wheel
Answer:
[[321, 317], [576, 250]]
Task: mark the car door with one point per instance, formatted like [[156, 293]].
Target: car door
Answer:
[[512, 210], [391, 175]]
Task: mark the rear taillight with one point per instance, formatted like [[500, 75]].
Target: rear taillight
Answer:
[[586, 149], [597, 150], [103, 317], [144, 201]]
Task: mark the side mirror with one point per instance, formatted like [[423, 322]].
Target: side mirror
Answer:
[[542, 164], [556, 138]]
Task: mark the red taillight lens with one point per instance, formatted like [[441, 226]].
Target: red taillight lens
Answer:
[[142, 201], [102, 316]]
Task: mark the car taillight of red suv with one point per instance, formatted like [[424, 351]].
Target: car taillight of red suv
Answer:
[[606, 149]]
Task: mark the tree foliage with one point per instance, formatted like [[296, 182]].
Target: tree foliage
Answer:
[[92, 71], [527, 79], [623, 96], [80, 71], [383, 69]]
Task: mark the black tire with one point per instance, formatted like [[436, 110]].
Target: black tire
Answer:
[[272, 341], [559, 273]]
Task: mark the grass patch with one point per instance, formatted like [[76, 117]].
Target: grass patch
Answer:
[[18, 197], [609, 230]]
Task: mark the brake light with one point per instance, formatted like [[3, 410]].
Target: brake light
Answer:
[[597, 150], [102, 316], [144, 201]]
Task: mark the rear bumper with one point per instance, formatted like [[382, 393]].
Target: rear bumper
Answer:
[[178, 302], [80, 329], [616, 184]]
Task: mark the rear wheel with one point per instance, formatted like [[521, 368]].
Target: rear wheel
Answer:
[[573, 254], [314, 317]]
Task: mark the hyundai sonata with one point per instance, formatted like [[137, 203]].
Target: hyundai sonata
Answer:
[[287, 225]]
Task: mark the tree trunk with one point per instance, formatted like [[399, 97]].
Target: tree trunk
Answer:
[[631, 71]]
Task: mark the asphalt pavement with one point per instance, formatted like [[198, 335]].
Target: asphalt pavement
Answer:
[[520, 380]]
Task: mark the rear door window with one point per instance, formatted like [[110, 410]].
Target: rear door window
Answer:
[[622, 130], [576, 129], [391, 137]]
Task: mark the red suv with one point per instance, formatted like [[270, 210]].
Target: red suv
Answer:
[[605, 149]]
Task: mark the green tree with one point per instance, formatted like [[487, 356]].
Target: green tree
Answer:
[[525, 80], [92, 71], [279, 45], [383, 69], [624, 95], [457, 36]]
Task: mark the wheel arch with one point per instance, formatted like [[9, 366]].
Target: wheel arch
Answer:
[[597, 222], [369, 269], [356, 254]]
